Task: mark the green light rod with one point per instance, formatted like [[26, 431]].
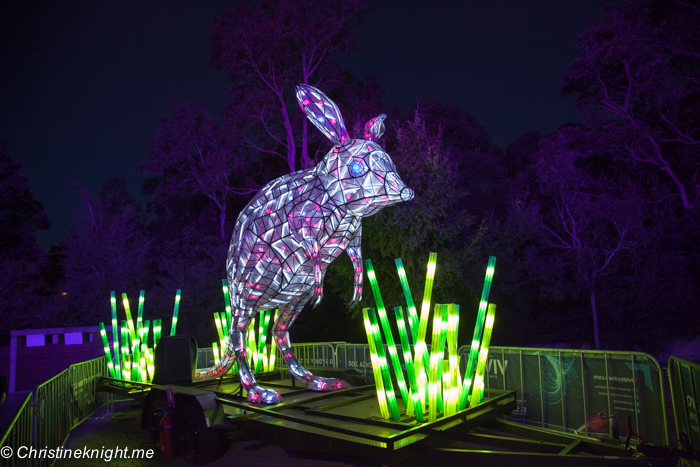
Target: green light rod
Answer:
[[156, 332], [476, 339], [262, 342], [478, 391], [115, 335], [273, 346], [410, 371], [108, 353], [227, 300], [412, 312], [173, 326], [129, 321], [393, 353], [139, 316], [217, 321], [376, 369], [384, 365], [421, 350]]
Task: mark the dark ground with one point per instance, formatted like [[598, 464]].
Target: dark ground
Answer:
[[124, 431]]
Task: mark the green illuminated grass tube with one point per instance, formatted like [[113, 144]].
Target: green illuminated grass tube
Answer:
[[157, 326], [421, 349], [376, 369], [384, 365], [173, 326], [455, 382], [217, 322], [435, 363], [476, 339], [227, 300], [108, 353], [393, 353], [126, 368], [478, 390], [139, 315], [414, 407], [115, 336], [260, 363], [273, 347], [412, 312]]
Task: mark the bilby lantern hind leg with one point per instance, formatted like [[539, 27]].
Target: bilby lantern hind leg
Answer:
[[287, 316]]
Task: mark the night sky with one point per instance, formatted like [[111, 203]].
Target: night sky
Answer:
[[82, 83]]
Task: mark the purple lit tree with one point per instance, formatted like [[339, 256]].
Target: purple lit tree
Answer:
[[193, 154], [21, 258], [586, 222], [270, 49], [105, 251], [638, 76]]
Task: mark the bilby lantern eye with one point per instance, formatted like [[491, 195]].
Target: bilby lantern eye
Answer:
[[356, 169]]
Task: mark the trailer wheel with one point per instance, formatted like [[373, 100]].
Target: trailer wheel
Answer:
[[155, 413], [197, 443]]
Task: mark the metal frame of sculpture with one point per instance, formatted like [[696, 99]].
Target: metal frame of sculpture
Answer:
[[289, 233]]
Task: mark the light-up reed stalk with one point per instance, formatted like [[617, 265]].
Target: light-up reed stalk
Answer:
[[476, 339], [478, 390], [217, 321], [115, 336], [139, 315], [412, 312], [451, 391], [253, 348], [393, 353], [135, 341], [124, 334], [227, 300], [173, 325], [129, 320], [437, 355], [157, 327], [421, 349], [273, 347], [108, 352], [414, 407], [150, 364], [143, 372], [143, 335], [261, 363], [215, 351], [376, 369], [384, 366], [126, 357]]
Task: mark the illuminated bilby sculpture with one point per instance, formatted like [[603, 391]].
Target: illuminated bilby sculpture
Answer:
[[288, 234]]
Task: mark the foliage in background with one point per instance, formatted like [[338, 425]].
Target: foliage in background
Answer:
[[594, 226]]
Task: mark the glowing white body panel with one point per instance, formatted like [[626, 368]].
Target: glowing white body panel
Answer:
[[289, 233]]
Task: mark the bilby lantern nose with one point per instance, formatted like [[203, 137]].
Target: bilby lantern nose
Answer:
[[407, 194]]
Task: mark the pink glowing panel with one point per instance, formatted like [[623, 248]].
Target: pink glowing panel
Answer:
[[287, 236]]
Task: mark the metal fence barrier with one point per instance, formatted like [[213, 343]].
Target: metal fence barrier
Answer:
[[19, 433], [58, 405], [314, 354], [51, 414], [581, 390], [684, 378], [85, 399]]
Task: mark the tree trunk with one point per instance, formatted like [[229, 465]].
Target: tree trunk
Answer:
[[594, 312], [291, 150], [222, 222], [305, 162]]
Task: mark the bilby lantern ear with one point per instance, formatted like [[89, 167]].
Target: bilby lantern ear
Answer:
[[374, 128], [323, 113]]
